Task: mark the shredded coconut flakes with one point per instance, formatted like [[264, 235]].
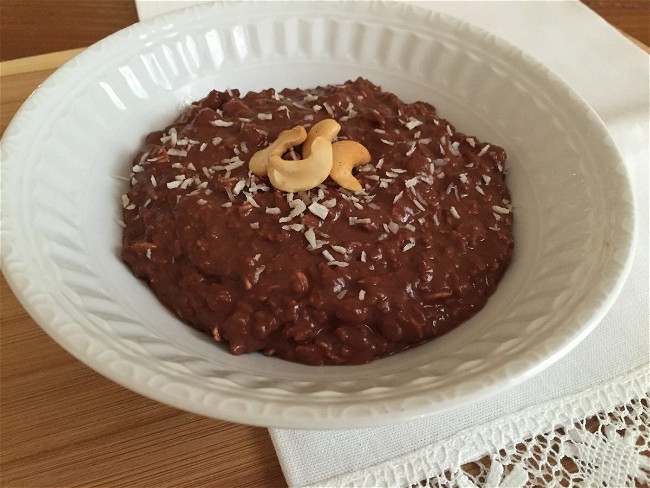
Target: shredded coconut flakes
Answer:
[[484, 150], [409, 245], [411, 182], [500, 210], [319, 210], [251, 200], [177, 152], [221, 123], [412, 149], [412, 123]]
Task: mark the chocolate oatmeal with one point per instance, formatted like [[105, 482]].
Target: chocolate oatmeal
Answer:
[[333, 274]]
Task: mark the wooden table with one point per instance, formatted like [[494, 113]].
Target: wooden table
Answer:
[[62, 424]]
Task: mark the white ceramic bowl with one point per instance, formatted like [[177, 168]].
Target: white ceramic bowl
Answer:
[[572, 203]]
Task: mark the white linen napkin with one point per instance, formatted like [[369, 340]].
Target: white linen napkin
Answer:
[[612, 75]]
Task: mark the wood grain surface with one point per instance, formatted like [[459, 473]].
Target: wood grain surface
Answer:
[[62, 424], [30, 27]]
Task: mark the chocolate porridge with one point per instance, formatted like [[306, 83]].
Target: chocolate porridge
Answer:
[[258, 241]]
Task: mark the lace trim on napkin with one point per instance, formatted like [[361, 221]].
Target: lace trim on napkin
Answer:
[[599, 437]]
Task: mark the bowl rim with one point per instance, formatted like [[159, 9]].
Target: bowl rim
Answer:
[[42, 317]]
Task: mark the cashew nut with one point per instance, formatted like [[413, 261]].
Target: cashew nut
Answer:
[[258, 164], [328, 128], [321, 159], [304, 174], [346, 156]]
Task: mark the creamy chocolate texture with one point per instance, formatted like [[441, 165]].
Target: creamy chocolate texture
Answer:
[[326, 276]]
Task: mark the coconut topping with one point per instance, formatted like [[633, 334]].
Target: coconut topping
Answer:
[[326, 275]]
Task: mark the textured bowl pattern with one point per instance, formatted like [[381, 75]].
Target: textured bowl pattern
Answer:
[[573, 208]]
